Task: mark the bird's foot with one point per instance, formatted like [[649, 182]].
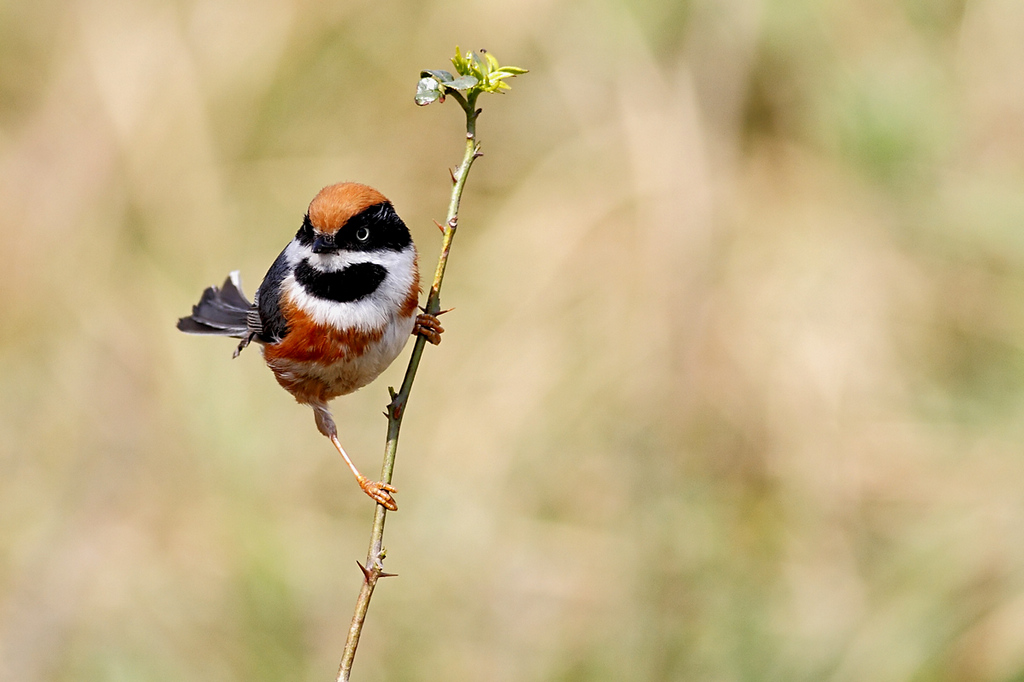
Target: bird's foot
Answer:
[[379, 491], [429, 327]]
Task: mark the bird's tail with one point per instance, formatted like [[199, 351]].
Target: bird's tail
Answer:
[[221, 312]]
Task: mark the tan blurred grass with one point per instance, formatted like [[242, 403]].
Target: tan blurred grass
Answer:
[[733, 389]]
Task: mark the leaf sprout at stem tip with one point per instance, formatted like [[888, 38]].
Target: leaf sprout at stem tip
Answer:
[[478, 72]]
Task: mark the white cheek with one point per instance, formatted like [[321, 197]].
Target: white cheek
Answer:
[[401, 267], [295, 252], [392, 261]]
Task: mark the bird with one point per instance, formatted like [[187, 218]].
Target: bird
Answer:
[[333, 311]]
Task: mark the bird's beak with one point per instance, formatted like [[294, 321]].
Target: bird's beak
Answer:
[[324, 244]]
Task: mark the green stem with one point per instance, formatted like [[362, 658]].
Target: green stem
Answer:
[[374, 569]]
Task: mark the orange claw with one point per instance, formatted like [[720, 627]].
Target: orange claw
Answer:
[[379, 491], [429, 327]]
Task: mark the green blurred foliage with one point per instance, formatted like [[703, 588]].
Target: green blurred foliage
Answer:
[[733, 390]]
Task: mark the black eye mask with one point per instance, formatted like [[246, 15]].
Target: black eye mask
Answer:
[[385, 231]]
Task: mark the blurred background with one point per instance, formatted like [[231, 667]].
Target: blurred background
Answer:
[[733, 388]]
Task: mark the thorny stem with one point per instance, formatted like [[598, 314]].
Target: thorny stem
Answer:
[[374, 569]]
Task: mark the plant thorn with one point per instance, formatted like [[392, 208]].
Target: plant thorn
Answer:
[[366, 572]]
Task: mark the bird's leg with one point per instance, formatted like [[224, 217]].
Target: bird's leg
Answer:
[[429, 327], [378, 490]]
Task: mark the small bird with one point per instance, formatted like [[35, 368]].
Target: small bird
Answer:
[[335, 308]]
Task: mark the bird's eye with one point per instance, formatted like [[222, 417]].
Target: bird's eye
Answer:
[[362, 234]]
